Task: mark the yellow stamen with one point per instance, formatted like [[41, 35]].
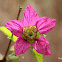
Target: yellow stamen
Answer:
[[30, 32]]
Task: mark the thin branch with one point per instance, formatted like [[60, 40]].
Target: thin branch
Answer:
[[19, 13], [4, 59]]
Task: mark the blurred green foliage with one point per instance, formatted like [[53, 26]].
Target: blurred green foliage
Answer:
[[12, 58], [12, 48]]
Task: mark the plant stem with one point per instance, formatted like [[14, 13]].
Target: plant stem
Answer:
[[19, 13], [4, 59]]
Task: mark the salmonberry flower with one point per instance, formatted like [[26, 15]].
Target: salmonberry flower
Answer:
[[27, 29]]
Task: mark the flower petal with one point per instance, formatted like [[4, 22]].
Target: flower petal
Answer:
[[15, 27], [45, 24], [29, 16], [21, 46], [41, 45]]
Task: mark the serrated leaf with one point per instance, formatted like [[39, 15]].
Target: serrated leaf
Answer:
[[12, 48], [37, 56], [8, 33]]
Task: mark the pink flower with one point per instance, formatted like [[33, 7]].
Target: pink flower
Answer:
[[28, 27]]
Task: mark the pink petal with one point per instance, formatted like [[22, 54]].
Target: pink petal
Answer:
[[44, 25], [21, 46], [41, 45], [15, 27], [29, 16]]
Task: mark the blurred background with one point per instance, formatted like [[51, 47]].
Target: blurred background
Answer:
[[48, 8]]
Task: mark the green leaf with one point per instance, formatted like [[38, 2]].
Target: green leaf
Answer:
[[37, 56], [8, 33], [12, 48], [14, 38]]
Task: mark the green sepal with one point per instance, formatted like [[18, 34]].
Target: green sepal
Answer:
[[38, 35], [14, 38]]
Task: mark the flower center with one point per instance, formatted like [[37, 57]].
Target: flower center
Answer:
[[30, 32]]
